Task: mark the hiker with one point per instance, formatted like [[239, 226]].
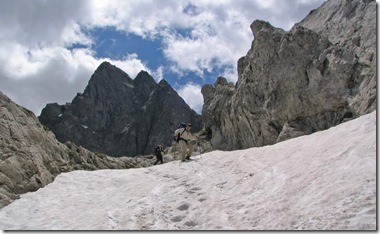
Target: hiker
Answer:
[[184, 138], [158, 152]]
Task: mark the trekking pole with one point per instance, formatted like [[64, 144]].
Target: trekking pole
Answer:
[[199, 149]]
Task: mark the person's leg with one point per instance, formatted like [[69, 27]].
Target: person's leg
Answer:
[[183, 146], [190, 151], [162, 159]]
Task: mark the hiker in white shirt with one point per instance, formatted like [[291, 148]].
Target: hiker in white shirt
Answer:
[[185, 137]]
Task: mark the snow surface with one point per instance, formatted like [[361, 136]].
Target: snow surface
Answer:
[[326, 181]]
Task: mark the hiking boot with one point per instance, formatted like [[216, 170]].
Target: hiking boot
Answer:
[[188, 158]]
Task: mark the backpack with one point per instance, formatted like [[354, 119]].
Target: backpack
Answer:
[[178, 135], [181, 125]]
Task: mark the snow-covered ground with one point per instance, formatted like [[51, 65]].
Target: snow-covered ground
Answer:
[[326, 180]]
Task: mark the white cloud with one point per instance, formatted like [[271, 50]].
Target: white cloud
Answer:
[[131, 64], [265, 4], [143, 18], [192, 95], [230, 74], [216, 44], [35, 78], [214, 40], [35, 35], [17, 60], [40, 24], [158, 74]]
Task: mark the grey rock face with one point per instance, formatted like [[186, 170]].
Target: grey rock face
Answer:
[[119, 116], [31, 157], [292, 83], [351, 25]]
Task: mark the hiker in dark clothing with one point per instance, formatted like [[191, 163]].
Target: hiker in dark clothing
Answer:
[[158, 152]]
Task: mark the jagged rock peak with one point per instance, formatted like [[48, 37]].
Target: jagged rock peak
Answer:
[[144, 82], [164, 83], [119, 116], [106, 73], [220, 81], [260, 25], [105, 65], [143, 77]]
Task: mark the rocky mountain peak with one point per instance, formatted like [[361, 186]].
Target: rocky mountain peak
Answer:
[[165, 85], [143, 77], [144, 85], [119, 116], [220, 81], [260, 25], [106, 73], [108, 86], [105, 66]]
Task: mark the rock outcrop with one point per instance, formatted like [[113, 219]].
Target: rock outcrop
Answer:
[[292, 83], [31, 157], [120, 116]]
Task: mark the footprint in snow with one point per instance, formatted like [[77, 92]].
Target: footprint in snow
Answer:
[[183, 207], [111, 220]]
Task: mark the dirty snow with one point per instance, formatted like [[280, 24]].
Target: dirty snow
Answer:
[[324, 181]]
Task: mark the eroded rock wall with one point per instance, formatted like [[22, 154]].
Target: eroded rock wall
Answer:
[[291, 83]]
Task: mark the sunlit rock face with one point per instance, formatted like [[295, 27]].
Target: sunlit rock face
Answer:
[[291, 83]]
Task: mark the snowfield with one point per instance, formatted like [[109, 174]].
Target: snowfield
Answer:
[[324, 181]]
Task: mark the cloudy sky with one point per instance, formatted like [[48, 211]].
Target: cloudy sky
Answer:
[[50, 49]]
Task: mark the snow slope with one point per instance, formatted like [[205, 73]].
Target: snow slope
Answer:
[[326, 180]]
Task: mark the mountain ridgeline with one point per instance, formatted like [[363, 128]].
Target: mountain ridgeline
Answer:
[[120, 116]]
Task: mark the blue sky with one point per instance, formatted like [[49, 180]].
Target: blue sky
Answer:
[[116, 45], [50, 49]]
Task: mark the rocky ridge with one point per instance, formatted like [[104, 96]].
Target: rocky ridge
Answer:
[[291, 83], [120, 116], [31, 157]]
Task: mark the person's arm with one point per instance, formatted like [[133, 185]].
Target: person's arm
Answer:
[[194, 137]]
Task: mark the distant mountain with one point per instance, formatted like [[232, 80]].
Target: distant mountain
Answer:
[[290, 83], [120, 116]]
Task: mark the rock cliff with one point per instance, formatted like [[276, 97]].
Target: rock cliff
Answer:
[[31, 157], [120, 116], [292, 83]]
